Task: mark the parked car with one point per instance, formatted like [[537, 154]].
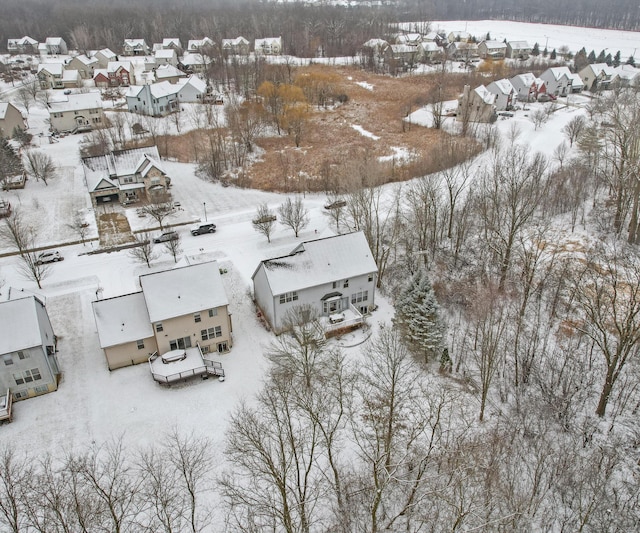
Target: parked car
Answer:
[[199, 229], [49, 257], [335, 205], [166, 236]]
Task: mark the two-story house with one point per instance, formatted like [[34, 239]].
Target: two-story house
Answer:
[[23, 45], [238, 46], [558, 80], [526, 87], [10, 118], [28, 361], [105, 56], [77, 112], [269, 46], [165, 56], [135, 47], [335, 276], [84, 65], [597, 77], [172, 43], [176, 309], [477, 105], [492, 49], [55, 46], [157, 99], [126, 176], [518, 49], [505, 94], [120, 73], [50, 75], [198, 45]]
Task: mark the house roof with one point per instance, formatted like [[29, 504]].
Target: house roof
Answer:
[[527, 79], [22, 41], [168, 71], [183, 290], [54, 41], [171, 41], [76, 102], [375, 43], [107, 53], [598, 68], [627, 72], [196, 44], [55, 69], [122, 319], [487, 96], [576, 80], [101, 72], [117, 164], [429, 46], [164, 53], [88, 61], [113, 66], [268, 41], [558, 72], [234, 42], [71, 75], [192, 59], [4, 107], [519, 45], [195, 82], [503, 86], [318, 262], [158, 90], [495, 45], [19, 324], [135, 43]]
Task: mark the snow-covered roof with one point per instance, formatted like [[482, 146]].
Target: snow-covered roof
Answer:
[[268, 41], [519, 45], [158, 90], [76, 102], [122, 319], [526, 80], [404, 48], [135, 43], [503, 86], [53, 41], [168, 71], [171, 41], [192, 59], [4, 107], [70, 75], [429, 46], [318, 262], [19, 325], [495, 45], [375, 43], [165, 53], [100, 71], [195, 82], [558, 72], [576, 80], [234, 42], [487, 96], [183, 290], [22, 41], [113, 66], [196, 44], [55, 69], [601, 68], [107, 53], [119, 163], [459, 35], [627, 72], [88, 61]]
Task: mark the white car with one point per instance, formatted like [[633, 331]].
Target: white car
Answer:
[[49, 257]]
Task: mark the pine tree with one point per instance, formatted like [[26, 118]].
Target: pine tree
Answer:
[[608, 60], [631, 61], [536, 50], [553, 55], [591, 58], [418, 317], [617, 59], [580, 61], [10, 163], [601, 57], [545, 52]]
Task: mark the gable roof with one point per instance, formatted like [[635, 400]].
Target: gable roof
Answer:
[[196, 44], [519, 45], [557, 72], [195, 82], [107, 53], [4, 107], [22, 41], [494, 45], [122, 319], [19, 324], [526, 79], [601, 68], [503, 86], [88, 61], [485, 95], [55, 69], [168, 71], [171, 41], [183, 291], [165, 53], [76, 102], [318, 262], [237, 41]]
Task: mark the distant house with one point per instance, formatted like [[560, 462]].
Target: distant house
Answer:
[[558, 80], [104, 57], [84, 65], [462, 50], [193, 90], [518, 49], [269, 46], [120, 73], [505, 94], [50, 75], [430, 51], [409, 38], [55, 46], [169, 73], [627, 75], [477, 105], [77, 112], [238, 46], [492, 49], [459, 36], [10, 118], [197, 45], [526, 87], [193, 63], [157, 99], [597, 77], [23, 45], [402, 56], [176, 309], [172, 43], [165, 57], [135, 47], [374, 51], [335, 276], [126, 176], [28, 349]]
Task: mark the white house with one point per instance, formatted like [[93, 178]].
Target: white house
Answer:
[[172, 43], [55, 46], [23, 45], [478, 105], [28, 348], [269, 46], [135, 47], [165, 56], [335, 276], [558, 80], [628, 75], [525, 86], [492, 49], [77, 112], [157, 99], [193, 63], [598, 76], [505, 94], [196, 45], [459, 36], [192, 89]]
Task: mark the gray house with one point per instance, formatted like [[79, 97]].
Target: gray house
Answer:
[[335, 276], [157, 99], [29, 364]]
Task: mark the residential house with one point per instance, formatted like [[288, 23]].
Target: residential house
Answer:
[[50, 75], [269, 46], [172, 43], [459, 36], [135, 47], [597, 77], [375, 52], [197, 45], [526, 87], [577, 85], [401, 56], [28, 348], [492, 49], [55, 46], [101, 78], [334, 276], [10, 118], [176, 310], [84, 65], [238, 46], [168, 73], [157, 99], [505, 94], [409, 38], [476, 105], [193, 63], [558, 80], [76, 112], [627, 75], [165, 57], [193, 90], [430, 51], [23, 45], [126, 176], [120, 73], [518, 49], [462, 51], [104, 57]]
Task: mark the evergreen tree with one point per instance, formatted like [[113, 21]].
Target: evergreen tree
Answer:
[[488, 37], [591, 58], [580, 61], [608, 60], [617, 59], [536, 50], [601, 57], [418, 317], [553, 55], [631, 61], [545, 52], [10, 163]]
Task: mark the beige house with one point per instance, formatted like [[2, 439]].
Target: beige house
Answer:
[[105, 56], [492, 49], [10, 118], [84, 65], [477, 105], [77, 112], [126, 176], [238, 46], [50, 75], [269, 46], [28, 348], [177, 309]]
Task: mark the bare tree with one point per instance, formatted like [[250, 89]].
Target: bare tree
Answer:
[[79, 225], [573, 129], [143, 251], [40, 166], [24, 98], [264, 221], [173, 247], [539, 117], [160, 209], [293, 214], [15, 473]]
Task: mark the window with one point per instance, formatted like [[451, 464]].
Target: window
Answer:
[[288, 297], [127, 179], [370, 278], [8, 360], [361, 296], [23, 355], [197, 318], [18, 379], [140, 344], [159, 327], [41, 389], [335, 284], [346, 283], [180, 344], [213, 312], [211, 333], [20, 395]]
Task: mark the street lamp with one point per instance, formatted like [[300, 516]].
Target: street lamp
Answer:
[[204, 204]]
